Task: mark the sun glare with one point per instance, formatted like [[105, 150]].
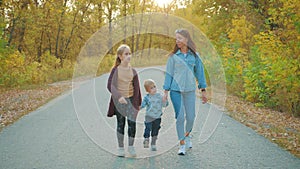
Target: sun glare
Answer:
[[163, 3]]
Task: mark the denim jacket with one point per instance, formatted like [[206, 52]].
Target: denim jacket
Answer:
[[154, 105], [181, 71]]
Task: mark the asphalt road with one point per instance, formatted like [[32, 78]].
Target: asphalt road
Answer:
[[72, 131]]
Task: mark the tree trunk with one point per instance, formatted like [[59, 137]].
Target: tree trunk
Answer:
[[140, 26], [150, 43], [60, 26], [110, 12], [133, 32], [125, 19], [17, 31], [145, 38]]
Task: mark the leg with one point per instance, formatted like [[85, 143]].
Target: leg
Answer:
[[155, 130], [131, 131], [120, 129], [189, 100], [176, 98], [148, 127]]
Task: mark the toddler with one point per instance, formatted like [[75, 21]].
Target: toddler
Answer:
[[154, 103]]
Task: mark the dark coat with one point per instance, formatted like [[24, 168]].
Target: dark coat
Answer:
[[115, 95]]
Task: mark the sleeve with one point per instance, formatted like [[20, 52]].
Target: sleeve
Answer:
[[111, 84], [169, 74], [199, 73], [137, 98], [144, 102]]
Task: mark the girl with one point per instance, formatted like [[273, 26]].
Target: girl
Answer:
[[183, 66], [123, 84]]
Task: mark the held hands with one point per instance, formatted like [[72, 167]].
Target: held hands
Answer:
[[165, 96], [122, 100]]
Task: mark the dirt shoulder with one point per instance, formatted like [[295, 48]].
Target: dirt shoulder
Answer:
[[279, 127], [15, 103]]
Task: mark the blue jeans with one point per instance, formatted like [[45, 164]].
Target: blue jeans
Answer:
[[151, 126], [184, 107]]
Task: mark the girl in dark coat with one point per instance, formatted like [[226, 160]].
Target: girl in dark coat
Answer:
[[123, 84]]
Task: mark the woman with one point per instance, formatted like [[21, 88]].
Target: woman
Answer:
[[183, 67]]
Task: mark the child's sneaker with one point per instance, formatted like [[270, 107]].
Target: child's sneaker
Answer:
[[181, 150], [188, 142], [121, 152], [131, 151], [153, 148], [146, 143]]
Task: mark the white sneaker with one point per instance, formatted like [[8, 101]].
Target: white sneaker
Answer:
[[188, 142], [131, 151], [121, 152], [153, 148], [181, 150]]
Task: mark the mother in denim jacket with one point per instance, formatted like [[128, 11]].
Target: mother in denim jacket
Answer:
[[183, 68]]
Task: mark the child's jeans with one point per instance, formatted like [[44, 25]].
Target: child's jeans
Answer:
[[152, 127]]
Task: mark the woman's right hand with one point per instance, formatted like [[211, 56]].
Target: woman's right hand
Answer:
[[122, 100]]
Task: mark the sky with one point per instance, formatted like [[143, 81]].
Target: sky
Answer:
[[161, 3]]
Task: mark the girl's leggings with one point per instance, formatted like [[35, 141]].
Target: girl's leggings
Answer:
[[127, 113], [184, 106]]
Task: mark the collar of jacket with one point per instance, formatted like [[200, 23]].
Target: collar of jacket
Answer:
[[179, 52]]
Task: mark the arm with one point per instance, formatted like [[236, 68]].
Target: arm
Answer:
[[199, 73], [144, 102], [169, 74], [137, 92], [200, 76], [168, 77], [111, 84]]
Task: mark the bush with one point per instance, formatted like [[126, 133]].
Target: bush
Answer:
[[272, 77], [16, 71]]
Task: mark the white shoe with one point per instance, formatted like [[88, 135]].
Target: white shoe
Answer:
[[188, 142], [153, 148], [181, 150], [121, 152], [131, 151]]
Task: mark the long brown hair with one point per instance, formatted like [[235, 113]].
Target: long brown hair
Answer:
[[120, 51], [190, 44]]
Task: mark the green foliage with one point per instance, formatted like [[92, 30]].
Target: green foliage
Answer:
[[106, 64], [272, 77], [233, 69], [12, 69], [16, 71], [260, 49]]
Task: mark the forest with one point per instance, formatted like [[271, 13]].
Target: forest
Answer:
[[257, 40]]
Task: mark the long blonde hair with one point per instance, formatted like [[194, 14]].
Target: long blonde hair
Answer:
[[120, 51]]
